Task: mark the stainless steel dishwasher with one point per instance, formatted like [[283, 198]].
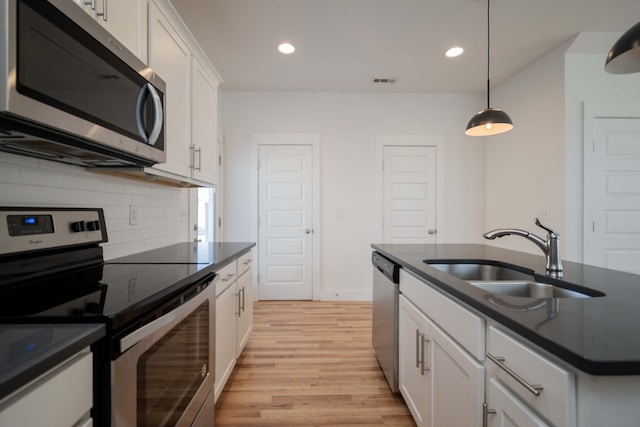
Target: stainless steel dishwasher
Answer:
[[386, 279]]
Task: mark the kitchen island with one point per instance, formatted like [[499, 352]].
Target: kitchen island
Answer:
[[592, 343]]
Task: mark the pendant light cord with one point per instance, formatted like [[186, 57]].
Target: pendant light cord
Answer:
[[488, 53]]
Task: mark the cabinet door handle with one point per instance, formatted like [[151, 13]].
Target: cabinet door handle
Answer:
[[418, 334], [104, 10], [534, 389], [199, 151], [423, 344], [485, 414], [242, 303], [420, 342], [92, 3], [239, 313]]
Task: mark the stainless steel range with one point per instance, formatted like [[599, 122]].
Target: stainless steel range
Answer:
[[155, 367]]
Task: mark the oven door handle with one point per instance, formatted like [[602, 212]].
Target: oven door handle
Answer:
[[173, 317]]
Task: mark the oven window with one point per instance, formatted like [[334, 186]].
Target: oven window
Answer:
[[170, 372]]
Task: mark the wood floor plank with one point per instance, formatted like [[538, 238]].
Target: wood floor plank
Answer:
[[310, 364]]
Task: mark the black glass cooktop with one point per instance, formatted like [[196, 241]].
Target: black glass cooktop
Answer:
[[113, 294], [214, 254]]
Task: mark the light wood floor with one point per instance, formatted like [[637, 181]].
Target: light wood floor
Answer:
[[310, 364]]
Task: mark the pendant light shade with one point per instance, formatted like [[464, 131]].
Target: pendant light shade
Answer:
[[490, 121], [624, 56]]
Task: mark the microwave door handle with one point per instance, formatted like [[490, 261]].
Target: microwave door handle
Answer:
[[157, 114]]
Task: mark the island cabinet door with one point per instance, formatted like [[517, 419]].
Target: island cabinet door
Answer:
[[414, 380], [458, 381], [442, 384]]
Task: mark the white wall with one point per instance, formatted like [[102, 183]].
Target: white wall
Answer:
[[601, 94], [348, 125], [30, 182], [525, 167], [539, 164]]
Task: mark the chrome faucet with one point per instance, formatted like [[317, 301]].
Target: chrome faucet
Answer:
[[550, 247]]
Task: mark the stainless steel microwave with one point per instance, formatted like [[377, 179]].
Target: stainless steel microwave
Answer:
[[73, 93]]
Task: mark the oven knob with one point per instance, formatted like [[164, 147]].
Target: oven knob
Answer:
[[93, 225], [78, 226]]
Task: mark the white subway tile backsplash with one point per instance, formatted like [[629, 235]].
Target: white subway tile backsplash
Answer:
[[31, 182]]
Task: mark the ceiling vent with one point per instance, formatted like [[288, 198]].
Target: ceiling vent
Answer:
[[384, 80]]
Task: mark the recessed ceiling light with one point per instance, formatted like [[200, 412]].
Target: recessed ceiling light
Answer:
[[286, 48], [453, 52]]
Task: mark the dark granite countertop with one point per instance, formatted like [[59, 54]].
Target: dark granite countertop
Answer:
[[600, 335], [216, 255], [29, 350]]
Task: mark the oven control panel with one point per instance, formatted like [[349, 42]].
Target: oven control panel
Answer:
[[29, 229]]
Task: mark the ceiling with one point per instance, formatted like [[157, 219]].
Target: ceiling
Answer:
[[342, 45]]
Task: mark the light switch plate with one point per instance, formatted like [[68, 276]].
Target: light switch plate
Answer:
[[134, 214]]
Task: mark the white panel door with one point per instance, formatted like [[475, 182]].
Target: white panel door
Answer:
[[409, 194], [612, 195], [285, 203]]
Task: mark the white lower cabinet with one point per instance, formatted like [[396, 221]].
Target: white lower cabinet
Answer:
[[41, 402], [226, 305], [414, 381], [446, 349], [244, 290], [234, 317], [534, 382], [442, 384]]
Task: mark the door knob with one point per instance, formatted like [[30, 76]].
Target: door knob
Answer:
[[432, 231], [308, 231]]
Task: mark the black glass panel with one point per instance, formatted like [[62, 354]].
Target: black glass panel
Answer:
[[170, 372]]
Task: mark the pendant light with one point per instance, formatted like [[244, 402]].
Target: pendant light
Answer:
[[490, 121], [624, 56]]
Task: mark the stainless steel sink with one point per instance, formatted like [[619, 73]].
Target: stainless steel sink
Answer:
[[510, 280], [481, 271], [526, 289]]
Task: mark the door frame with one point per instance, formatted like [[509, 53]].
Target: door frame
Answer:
[[291, 139], [412, 140], [590, 114]]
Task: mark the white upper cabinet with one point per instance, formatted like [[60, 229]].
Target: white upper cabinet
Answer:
[[155, 32], [170, 57], [204, 124], [126, 20], [191, 102]]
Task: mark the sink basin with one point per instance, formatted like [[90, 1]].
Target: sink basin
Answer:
[[527, 289], [510, 280], [482, 270]]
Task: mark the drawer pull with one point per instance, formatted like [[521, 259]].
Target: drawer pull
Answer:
[[534, 389], [227, 277]]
